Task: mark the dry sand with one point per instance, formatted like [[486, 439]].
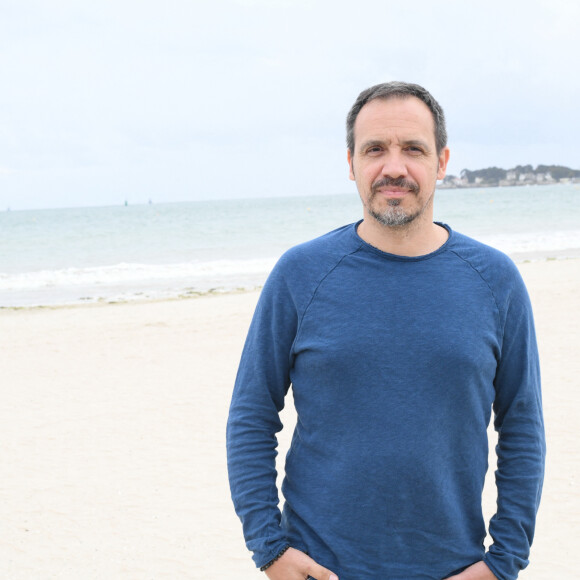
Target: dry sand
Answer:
[[112, 430]]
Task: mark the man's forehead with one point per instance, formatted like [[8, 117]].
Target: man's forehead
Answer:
[[407, 113], [403, 106]]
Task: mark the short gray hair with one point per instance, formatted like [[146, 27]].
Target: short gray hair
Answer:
[[396, 89]]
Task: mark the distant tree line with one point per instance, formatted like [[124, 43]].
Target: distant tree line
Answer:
[[526, 173]]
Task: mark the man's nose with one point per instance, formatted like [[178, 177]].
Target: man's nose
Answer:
[[394, 166]]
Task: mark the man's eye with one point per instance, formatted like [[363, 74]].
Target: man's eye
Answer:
[[374, 150], [414, 150]]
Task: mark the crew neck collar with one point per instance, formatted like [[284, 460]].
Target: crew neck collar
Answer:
[[367, 246]]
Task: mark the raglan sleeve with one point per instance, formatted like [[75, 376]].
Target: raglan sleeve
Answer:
[[261, 385], [521, 444]]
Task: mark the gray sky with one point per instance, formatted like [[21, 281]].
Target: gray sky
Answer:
[[179, 100]]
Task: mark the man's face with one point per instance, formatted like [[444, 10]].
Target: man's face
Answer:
[[395, 163]]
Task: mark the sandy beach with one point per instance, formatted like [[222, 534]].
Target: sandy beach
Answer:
[[113, 436]]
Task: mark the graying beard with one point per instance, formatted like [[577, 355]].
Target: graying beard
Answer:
[[393, 215]]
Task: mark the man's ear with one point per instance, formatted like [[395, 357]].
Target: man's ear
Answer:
[[350, 167], [443, 160]]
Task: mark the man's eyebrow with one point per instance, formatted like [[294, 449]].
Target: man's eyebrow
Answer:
[[406, 143], [373, 143], [416, 143]]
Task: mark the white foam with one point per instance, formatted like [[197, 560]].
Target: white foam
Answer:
[[126, 281], [124, 273], [533, 242]]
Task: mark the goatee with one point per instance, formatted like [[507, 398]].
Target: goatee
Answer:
[[393, 215]]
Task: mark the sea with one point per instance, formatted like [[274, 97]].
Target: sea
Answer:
[[56, 257]]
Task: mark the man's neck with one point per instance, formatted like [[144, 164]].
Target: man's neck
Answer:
[[418, 238]]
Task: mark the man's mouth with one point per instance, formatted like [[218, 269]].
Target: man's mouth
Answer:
[[391, 191], [394, 187]]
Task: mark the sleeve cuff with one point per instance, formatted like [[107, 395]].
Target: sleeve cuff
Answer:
[[280, 554]]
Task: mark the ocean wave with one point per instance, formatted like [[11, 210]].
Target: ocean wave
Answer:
[[533, 241], [126, 272], [129, 282]]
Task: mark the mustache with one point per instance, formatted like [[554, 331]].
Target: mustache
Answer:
[[399, 182]]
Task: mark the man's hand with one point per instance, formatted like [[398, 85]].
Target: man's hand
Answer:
[[296, 565], [478, 571]]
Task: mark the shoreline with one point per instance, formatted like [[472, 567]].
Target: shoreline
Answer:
[[519, 259], [103, 303]]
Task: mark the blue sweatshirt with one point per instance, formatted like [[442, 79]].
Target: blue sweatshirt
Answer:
[[395, 363]]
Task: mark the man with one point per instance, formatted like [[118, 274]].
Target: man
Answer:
[[398, 336]]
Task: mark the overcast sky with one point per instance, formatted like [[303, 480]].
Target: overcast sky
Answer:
[[176, 100]]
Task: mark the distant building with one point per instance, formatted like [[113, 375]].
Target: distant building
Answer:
[[520, 175]]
